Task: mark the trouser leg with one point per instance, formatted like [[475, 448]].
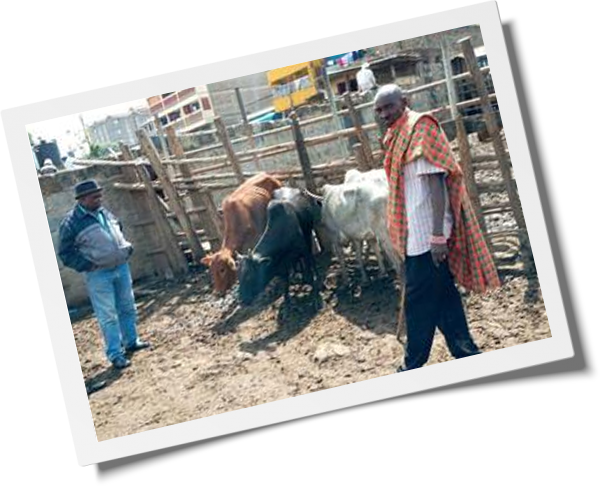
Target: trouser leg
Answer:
[[125, 303]]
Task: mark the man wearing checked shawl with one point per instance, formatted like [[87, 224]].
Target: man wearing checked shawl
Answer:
[[433, 227]]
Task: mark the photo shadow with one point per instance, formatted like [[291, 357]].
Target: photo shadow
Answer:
[[102, 380]]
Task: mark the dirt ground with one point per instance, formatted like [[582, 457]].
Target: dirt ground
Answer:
[[207, 358]]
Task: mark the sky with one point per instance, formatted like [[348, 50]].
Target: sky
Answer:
[[67, 130]]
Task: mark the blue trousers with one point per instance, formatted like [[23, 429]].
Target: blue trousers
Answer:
[[432, 301], [111, 294]]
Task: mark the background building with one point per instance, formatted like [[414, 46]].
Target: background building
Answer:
[[186, 110], [118, 128], [254, 95]]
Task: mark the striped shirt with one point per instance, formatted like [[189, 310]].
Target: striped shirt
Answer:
[[419, 207]]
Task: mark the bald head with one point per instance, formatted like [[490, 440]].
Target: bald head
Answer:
[[390, 103], [391, 91]]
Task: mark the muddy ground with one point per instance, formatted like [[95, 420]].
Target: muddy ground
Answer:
[[207, 358]]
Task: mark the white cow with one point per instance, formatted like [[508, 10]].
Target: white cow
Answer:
[[354, 175], [356, 211]]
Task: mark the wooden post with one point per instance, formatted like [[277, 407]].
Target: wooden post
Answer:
[[212, 224], [174, 202], [466, 163], [362, 136], [231, 155], [163, 145], [493, 130], [448, 73], [170, 262], [336, 117], [125, 151], [302, 153], [174, 254], [255, 156], [360, 157]]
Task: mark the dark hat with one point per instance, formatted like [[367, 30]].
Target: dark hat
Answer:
[[86, 187]]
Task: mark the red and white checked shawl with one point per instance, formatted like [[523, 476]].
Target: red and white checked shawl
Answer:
[[417, 135]]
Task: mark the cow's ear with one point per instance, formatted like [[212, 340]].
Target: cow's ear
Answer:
[[206, 260]]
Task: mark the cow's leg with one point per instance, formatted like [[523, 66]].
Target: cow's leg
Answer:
[[380, 259], [309, 259], [339, 254], [285, 275], [358, 244]]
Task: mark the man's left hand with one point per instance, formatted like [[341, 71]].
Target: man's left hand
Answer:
[[439, 253]]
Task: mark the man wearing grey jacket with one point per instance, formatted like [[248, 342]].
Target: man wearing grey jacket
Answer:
[[92, 243]]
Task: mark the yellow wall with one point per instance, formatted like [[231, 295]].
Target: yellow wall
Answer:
[[282, 103], [275, 75], [289, 73]]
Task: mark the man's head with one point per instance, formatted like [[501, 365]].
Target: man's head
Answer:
[[89, 195], [390, 103]]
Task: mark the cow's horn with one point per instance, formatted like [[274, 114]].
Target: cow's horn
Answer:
[[314, 196]]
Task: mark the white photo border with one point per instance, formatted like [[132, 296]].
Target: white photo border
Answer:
[[88, 449]]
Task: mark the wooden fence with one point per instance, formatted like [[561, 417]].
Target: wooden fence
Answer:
[[181, 202]]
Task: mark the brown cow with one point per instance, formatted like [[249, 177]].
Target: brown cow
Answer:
[[245, 216]]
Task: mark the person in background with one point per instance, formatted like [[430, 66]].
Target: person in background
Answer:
[[48, 168], [91, 242], [367, 84]]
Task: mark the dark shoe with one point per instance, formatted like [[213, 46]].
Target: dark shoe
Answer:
[[137, 346], [121, 362]]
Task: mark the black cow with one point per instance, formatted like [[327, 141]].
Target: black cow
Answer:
[[285, 243]]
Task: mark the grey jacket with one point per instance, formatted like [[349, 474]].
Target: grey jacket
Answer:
[[92, 241]]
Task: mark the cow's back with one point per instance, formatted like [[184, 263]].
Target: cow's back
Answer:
[[355, 209], [244, 211]]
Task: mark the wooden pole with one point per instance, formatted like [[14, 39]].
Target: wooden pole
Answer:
[[169, 261], [212, 224], [162, 141], [253, 147], [359, 155], [161, 137], [448, 73], [362, 136], [334, 112], [174, 254], [466, 163], [493, 130], [182, 217], [125, 151], [231, 155], [247, 128], [302, 153]]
